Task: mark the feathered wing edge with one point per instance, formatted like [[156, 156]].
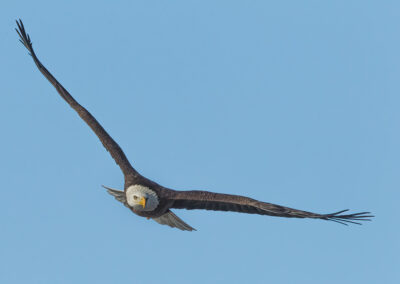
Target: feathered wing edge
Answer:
[[338, 217], [197, 199], [108, 142], [169, 218]]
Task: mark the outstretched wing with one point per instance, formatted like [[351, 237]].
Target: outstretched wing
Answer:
[[110, 145], [226, 202]]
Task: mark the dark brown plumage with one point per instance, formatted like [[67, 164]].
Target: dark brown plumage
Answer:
[[164, 198]]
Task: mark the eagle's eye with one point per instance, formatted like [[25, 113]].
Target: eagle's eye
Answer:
[[135, 197]]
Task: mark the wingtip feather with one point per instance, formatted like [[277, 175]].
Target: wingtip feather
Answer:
[[345, 219]]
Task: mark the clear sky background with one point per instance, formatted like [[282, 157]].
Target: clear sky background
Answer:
[[290, 102]]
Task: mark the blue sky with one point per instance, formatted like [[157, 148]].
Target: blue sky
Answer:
[[290, 102]]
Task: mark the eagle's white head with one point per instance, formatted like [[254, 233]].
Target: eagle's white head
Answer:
[[141, 198]]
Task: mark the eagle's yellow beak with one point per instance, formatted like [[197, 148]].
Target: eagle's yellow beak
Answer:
[[143, 202]]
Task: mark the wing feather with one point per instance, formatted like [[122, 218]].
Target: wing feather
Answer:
[[109, 143], [196, 199]]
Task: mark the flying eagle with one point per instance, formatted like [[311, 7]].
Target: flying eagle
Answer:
[[149, 199]]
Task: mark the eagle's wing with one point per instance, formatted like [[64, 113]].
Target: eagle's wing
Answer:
[[111, 146], [226, 202]]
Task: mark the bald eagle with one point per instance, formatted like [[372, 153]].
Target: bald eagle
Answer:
[[148, 199]]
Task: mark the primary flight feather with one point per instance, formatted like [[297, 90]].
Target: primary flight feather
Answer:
[[149, 199]]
